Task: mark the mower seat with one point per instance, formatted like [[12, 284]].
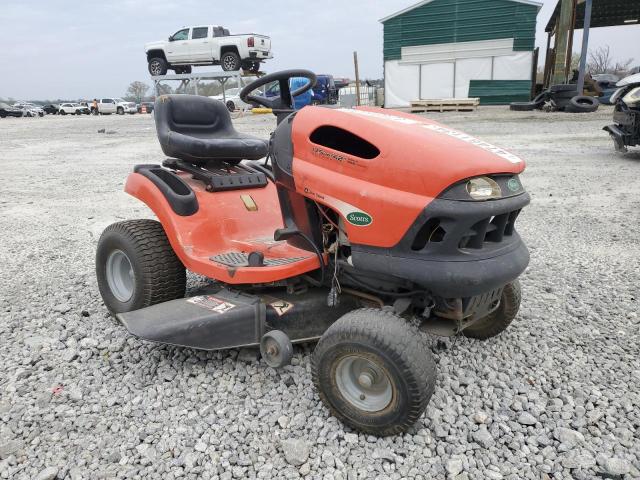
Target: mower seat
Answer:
[[199, 130]]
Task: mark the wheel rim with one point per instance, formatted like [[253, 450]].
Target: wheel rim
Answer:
[[229, 62], [363, 383], [155, 68], [120, 275]]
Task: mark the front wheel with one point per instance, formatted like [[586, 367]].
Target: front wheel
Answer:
[[120, 111], [136, 266], [498, 320], [230, 61], [62, 112], [374, 372]]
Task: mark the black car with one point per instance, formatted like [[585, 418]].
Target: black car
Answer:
[[9, 111], [148, 105], [51, 109]]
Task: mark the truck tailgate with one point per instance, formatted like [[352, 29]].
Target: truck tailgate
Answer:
[[262, 43]]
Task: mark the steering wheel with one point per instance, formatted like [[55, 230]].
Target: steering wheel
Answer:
[[285, 100]]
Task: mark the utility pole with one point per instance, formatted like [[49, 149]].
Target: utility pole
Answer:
[[355, 65], [563, 26], [585, 45]]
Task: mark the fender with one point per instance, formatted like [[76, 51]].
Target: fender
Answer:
[[220, 219]]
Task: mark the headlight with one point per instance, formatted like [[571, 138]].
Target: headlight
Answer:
[[483, 188], [632, 98]]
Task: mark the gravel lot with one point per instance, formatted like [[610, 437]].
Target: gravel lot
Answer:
[[556, 396]]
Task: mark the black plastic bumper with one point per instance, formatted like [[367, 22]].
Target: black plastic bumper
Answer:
[[455, 248]]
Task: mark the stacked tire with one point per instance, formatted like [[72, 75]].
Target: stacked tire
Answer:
[[563, 97], [536, 104], [582, 104]]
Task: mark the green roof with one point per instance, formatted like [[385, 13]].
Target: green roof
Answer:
[[450, 21]]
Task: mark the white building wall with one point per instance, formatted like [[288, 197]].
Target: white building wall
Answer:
[[445, 70]]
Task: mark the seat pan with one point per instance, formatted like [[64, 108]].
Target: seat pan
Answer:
[[199, 130], [204, 148]]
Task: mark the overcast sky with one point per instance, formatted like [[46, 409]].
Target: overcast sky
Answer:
[[87, 48]]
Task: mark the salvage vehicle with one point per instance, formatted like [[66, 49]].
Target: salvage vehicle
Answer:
[[72, 109], [51, 109], [231, 99], [625, 132], [122, 107], [207, 45], [363, 229], [105, 106], [7, 110], [29, 109], [325, 91]]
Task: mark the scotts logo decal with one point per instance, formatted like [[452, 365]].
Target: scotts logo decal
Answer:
[[359, 219], [513, 185]]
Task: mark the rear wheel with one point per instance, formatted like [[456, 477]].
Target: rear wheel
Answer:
[[158, 66], [230, 61], [374, 372], [136, 266], [498, 321]]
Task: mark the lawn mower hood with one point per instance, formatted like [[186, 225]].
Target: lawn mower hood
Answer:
[[407, 190]]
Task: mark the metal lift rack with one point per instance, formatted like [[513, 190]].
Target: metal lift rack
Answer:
[[186, 79]]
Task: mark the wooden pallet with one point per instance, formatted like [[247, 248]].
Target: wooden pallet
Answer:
[[445, 105]]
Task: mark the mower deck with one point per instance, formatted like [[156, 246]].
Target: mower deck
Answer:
[[217, 318]]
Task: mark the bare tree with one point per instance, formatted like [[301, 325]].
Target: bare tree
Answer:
[[621, 67], [600, 60], [137, 90]]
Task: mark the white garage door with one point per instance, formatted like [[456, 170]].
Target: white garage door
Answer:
[[436, 81]]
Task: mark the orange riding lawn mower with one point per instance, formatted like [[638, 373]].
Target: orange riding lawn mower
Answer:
[[362, 229]]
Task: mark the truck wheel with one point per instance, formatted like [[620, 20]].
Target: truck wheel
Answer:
[[62, 112], [230, 61], [497, 321], [136, 266], [373, 372], [158, 66], [120, 111]]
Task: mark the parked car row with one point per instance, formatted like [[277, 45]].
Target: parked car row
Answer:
[[102, 106]]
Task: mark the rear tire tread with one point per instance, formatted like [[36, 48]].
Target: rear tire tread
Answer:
[[162, 272]]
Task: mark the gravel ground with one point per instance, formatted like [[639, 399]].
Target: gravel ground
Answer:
[[555, 396]]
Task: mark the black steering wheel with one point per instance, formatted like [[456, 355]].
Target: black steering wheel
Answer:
[[285, 100]]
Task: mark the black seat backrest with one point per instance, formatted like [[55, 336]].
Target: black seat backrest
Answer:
[[191, 114]]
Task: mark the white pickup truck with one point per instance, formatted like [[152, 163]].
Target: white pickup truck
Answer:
[[207, 45]]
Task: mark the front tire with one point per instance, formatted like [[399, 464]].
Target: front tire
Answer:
[[158, 66], [230, 61], [120, 111], [374, 372], [498, 321], [136, 266], [62, 112]]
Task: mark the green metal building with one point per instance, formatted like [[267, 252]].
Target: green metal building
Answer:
[[458, 49]]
